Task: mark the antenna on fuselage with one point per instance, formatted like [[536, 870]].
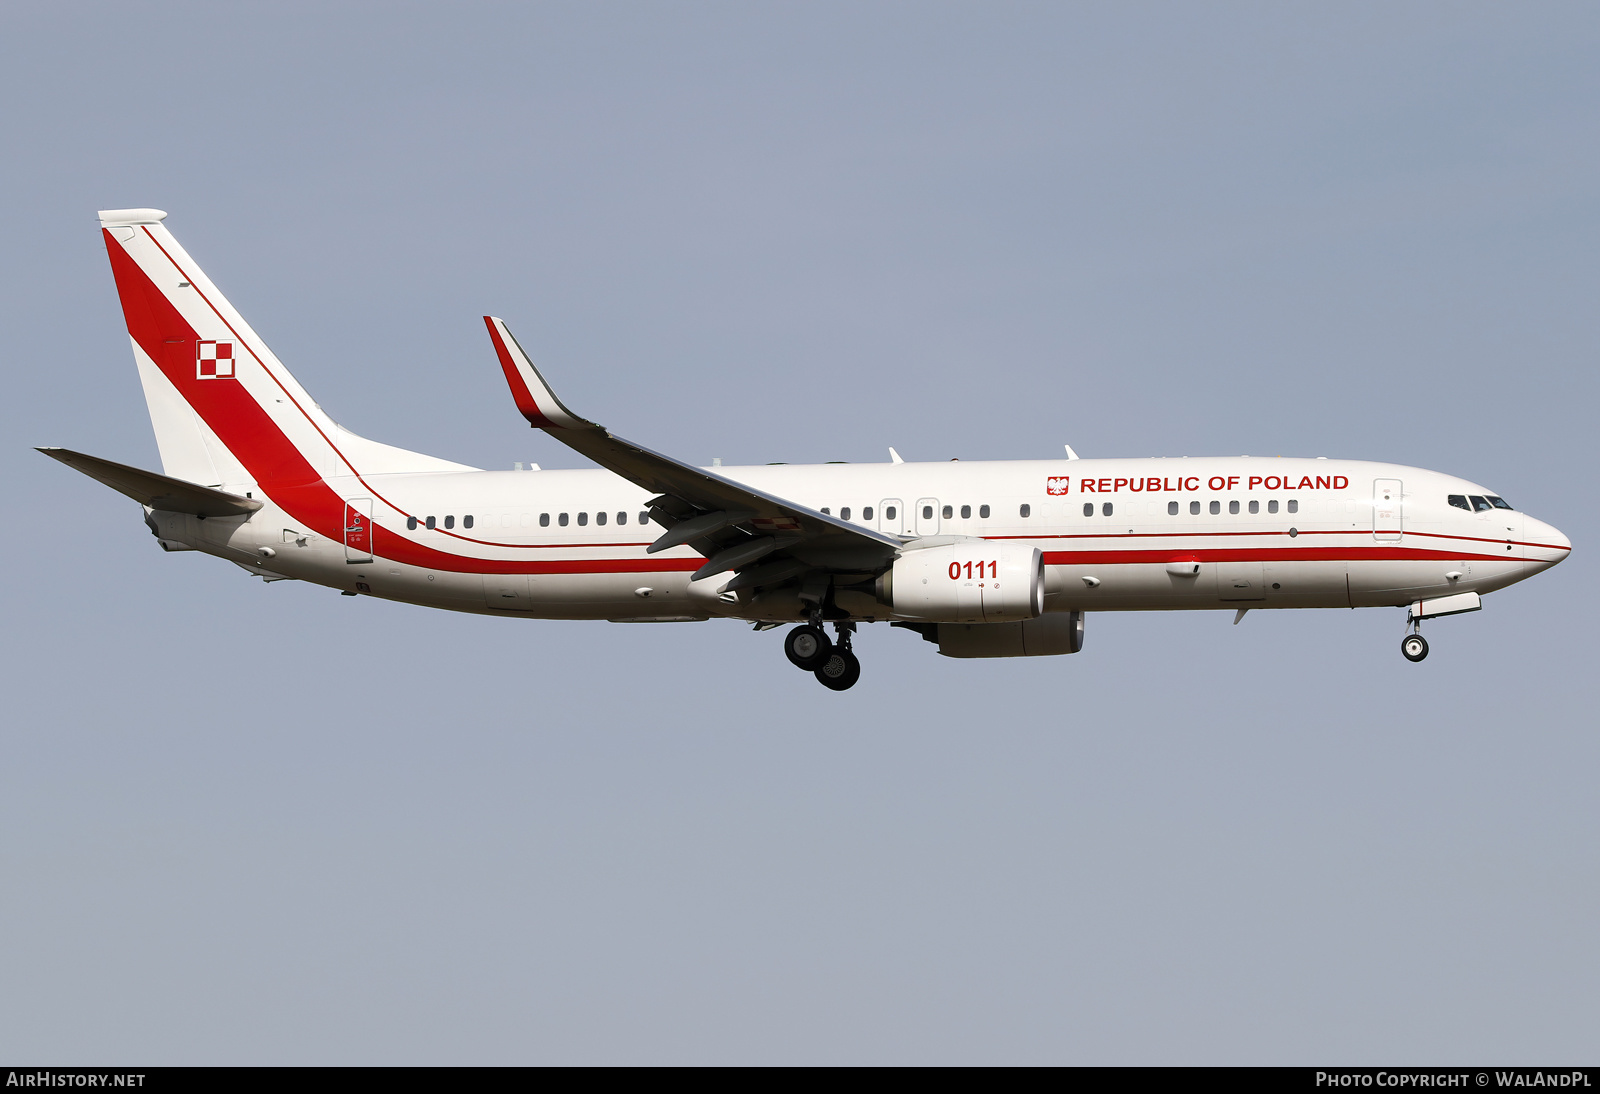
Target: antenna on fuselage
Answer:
[[894, 457], [1071, 455]]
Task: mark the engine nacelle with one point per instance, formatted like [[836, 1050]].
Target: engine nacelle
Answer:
[[969, 581], [1053, 634]]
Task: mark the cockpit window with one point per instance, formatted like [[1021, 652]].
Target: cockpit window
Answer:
[[1499, 503], [1479, 505], [1460, 502]]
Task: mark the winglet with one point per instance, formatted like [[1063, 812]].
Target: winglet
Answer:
[[534, 398]]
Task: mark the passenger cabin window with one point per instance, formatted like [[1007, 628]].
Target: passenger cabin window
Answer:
[[466, 521], [888, 512], [866, 512], [1460, 502], [1272, 506], [1194, 508], [1499, 503], [826, 511], [1216, 507], [411, 522], [927, 512], [644, 518], [544, 520], [983, 512], [844, 514], [1294, 506], [1088, 508], [622, 518], [562, 520], [431, 522], [600, 518], [1255, 507], [1024, 510], [1105, 510], [1233, 508], [1172, 508], [449, 522], [948, 512], [1479, 505], [966, 512], [583, 519]]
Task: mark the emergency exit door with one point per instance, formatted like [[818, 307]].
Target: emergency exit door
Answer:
[[893, 518], [1388, 509]]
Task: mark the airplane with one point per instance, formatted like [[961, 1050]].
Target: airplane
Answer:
[[983, 559]]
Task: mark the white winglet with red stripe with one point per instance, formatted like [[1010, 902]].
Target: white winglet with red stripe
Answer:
[[534, 398]]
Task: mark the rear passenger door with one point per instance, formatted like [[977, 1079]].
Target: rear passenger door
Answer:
[[358, 530]]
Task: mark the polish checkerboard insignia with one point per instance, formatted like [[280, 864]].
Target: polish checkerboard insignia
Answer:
[[213, 360]]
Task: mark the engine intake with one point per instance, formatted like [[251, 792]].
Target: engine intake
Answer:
[[970, 581]]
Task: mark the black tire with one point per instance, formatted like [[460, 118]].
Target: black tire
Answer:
[[840, 672], [1414, 647], [807, 647]]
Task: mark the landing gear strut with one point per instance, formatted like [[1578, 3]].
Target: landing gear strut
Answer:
[[831, 661], [1414, 647]]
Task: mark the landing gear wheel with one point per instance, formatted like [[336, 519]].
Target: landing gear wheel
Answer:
[[840, 671], [807, 647], [1414, 647]]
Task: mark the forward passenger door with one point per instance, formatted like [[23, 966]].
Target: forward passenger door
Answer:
[[1388, 509]]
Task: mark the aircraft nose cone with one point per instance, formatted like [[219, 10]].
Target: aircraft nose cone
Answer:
[[1546, 544]]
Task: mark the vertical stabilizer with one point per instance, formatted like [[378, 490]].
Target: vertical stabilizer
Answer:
[[226, 412]]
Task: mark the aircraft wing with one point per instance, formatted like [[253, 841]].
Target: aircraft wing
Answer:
[[156, 491], [767, 539]]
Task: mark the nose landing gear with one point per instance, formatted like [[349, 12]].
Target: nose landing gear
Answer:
[[832, 662], [1414, 647]]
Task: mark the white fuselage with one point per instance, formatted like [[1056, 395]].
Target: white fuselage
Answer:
[[1116, 535]]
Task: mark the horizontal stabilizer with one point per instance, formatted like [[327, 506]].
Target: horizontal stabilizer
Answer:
[[156, 491]]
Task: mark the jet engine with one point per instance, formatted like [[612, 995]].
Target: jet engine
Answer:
[[969, 581]]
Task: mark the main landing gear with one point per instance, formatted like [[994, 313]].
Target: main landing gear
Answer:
[[831, 662]]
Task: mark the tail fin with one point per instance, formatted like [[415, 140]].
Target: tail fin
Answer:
[[226, 412]]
